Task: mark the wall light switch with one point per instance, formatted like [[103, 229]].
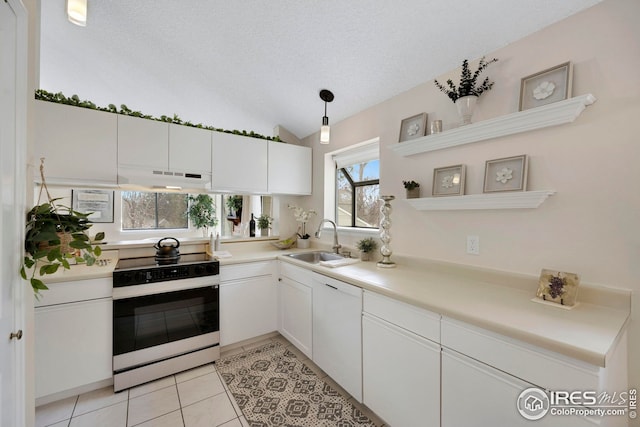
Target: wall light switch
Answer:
[[473, 245]]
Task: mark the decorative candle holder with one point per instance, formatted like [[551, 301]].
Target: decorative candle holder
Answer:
[[385, 235]]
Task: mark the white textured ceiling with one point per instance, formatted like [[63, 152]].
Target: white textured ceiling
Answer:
[[256, 64]]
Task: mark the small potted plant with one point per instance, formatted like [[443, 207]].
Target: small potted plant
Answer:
[[302, 217], [366, 247], [413, 189], [264, 224], [202, 212], [466, 94]]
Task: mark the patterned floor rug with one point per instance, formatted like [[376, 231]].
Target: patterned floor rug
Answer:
[[274, 388]]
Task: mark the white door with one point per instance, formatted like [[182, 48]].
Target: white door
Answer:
[[13, 96]]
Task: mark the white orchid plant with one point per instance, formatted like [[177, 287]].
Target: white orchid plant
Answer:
[[303, 217]]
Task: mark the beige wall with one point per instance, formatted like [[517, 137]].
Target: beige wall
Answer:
[[591, 226]]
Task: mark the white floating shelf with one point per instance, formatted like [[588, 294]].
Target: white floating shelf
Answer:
[[507, 200], [554, 114]]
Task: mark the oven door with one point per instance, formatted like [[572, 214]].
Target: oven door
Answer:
[[157, 326]]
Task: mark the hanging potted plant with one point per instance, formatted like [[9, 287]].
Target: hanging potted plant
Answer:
[[465, 96], [264, 224], [413, 189], [366, 248], [202, 212], [54, 235]]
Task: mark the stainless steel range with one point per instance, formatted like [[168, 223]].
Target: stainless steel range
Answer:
[[165, 317]]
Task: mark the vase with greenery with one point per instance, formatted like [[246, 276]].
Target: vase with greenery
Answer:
[[413, 189], [264, 224], [366, 247], [466, 94], [55, 235], [202, 212]]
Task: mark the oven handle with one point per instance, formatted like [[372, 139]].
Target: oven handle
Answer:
[[163, 287]]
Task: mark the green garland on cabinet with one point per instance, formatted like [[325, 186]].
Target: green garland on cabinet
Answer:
[[75, 101]]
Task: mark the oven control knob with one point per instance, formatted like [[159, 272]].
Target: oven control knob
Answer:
[[211, 269], [140, 277], [125, 278], [199, 269]]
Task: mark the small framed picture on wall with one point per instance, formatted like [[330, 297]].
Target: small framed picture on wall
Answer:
[[547, 86], [449, 181], [99, 203], [413, 127], [507, 174]]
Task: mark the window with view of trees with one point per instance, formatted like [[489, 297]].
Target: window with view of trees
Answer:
[[357, 194], [148, 211]]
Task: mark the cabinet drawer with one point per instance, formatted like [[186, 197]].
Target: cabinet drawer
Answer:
[[243, 271], [538, 366], [299, 274], [78, 290], [414, 319]]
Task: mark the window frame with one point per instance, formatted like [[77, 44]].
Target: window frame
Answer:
[[330, 194], [354, 186]]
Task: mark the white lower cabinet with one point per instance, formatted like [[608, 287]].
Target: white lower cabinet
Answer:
[[489, 397], [485, 373], [295, 320], [248, 301], [73, 341], [401, 369], [337, 332]]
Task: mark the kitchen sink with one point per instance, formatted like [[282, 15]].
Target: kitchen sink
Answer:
[[315, 257]]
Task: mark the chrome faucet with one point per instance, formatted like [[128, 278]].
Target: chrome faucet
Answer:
[[336, 245]]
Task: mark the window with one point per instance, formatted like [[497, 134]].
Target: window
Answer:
[[152, 211], [357, 186], [158, 211]]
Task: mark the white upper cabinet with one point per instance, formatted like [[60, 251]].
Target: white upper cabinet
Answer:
[[78, 144], [143, 143], [239, 163], [189, 149], [289, 169]]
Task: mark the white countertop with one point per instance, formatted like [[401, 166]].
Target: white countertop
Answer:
[[486, 299], [497, 301]]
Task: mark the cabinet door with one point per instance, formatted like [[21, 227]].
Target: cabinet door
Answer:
[[73, 345], [337, 332], [401, 374], [289, 169], [189, 149], [295, 314], [143, 143], [239, 163], [477, 395], [248, 308], [79, 145]]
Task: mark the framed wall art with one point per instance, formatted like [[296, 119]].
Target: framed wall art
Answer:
[[507, 174], [413, 127], [97, 202], [448, 181], [547, 86], [558, 287]]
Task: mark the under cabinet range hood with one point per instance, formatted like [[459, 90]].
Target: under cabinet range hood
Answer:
[[138, 177]]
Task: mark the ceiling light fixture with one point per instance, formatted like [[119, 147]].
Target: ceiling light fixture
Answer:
[[77, 12], [325, 130]]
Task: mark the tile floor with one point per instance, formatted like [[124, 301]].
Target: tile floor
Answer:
[[194, 398]]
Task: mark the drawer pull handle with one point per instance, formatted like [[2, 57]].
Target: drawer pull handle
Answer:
[[332, 287], [16, 335]]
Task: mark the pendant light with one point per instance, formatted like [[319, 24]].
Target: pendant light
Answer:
[[77, 12], [325, 130]]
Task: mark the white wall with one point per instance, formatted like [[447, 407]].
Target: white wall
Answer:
[[590, 226]]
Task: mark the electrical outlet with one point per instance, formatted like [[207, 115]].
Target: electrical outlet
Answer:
[[473, 245]]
